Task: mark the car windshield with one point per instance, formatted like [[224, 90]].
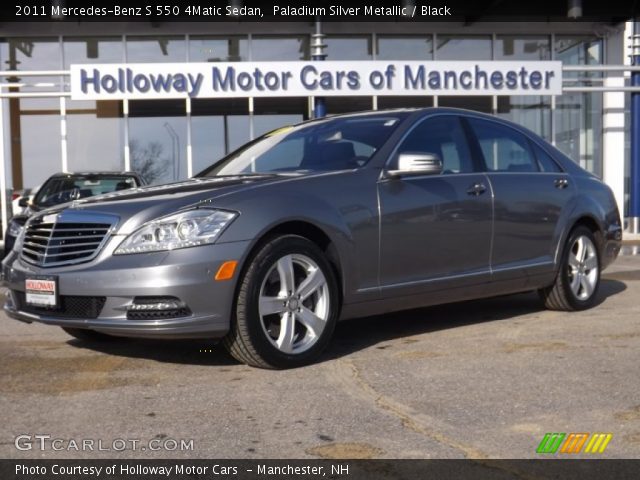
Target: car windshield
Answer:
[[73, 187], [330, 144]]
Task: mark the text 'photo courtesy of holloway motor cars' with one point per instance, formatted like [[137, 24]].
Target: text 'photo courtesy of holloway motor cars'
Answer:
[[334, 218]]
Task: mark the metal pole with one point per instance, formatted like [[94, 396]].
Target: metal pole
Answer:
[[634, 184], [175, 150], [4, 205], [317, 54]]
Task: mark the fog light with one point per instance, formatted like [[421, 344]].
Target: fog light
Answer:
[[162, 305], [157, 308]]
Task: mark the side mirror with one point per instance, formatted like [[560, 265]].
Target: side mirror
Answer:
[[23, 202], [412, 164]]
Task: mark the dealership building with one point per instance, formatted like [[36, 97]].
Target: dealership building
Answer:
[[46, 127]]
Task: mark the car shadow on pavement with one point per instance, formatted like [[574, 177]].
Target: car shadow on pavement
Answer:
[[352, 335], [187, 352], [358, 334]]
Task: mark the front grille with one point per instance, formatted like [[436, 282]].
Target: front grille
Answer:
[[61, 243], [69, 306]]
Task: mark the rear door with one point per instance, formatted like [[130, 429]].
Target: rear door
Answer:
[[529, 191]]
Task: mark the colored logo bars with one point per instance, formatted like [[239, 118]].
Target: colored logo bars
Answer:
[[573, 443]]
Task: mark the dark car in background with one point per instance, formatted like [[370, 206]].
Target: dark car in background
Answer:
[[335, 218], [66, 187]]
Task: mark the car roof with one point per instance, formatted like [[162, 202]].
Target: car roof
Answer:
[[407, 112]]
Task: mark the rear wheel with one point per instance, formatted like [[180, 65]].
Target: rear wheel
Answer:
[[578, 280], [87, 335], [287, 305]]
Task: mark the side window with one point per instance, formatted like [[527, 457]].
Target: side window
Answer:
[[444, 137], [547, 164], [504, 149]]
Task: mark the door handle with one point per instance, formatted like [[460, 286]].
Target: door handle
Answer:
[[561, 183], [476, 189]]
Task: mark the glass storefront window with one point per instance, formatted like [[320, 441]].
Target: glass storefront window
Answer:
[[512, 47], [208, 139], [349, 48], [291, 47], [150, 49], [466, 47], [32, 53], [218, 49], [404, 102], [578, 116], [218, 126], [532, 112], [347, 104], [272, 113], [477, 103], [95, 135], [158, 139], [266, 123], [92, 50], [38, 140], [157, 129], [404, 48]]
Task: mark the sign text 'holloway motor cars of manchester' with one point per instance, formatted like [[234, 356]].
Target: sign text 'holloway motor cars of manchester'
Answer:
[[300, 79]]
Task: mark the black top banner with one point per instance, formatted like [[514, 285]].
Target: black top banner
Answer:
[[468, 12]]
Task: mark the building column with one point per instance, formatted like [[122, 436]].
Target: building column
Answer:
[[613, 145], [634, 183], [317, 54]]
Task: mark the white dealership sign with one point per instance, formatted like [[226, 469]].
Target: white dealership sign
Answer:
[[303, 79]]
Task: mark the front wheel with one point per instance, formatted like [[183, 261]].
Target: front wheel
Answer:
[[287, 305], [578, 279]]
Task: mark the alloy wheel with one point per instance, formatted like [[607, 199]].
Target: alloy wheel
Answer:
[[294, 303]]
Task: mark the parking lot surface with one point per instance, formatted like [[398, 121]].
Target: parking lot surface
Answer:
[[480, 379]]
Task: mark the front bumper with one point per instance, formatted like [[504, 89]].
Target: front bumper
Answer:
[[186, 274]]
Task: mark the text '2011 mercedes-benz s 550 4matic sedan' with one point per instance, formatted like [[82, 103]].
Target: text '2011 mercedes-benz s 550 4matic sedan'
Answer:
[[335, 218]]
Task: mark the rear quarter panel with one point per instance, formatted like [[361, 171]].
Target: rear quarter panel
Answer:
[[594, 200]]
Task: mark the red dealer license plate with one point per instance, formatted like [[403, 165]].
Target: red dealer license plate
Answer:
[[41, 291]]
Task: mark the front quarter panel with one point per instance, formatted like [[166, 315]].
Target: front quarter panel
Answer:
[[341, 204]]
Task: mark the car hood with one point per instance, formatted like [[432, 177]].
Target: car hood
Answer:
[[137, 206]]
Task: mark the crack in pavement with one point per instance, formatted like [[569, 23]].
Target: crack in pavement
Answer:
[[347, 374]]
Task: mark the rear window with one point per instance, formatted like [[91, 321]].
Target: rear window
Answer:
[[547, 164]]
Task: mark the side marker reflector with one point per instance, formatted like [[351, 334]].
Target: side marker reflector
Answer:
[[226, 270]]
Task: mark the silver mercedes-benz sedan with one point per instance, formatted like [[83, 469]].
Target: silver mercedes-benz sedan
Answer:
[[335, 218]]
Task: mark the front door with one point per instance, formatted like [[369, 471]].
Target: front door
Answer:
[[435, 228]]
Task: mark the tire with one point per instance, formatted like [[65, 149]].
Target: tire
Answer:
[[578, 279], [286, 307], [87, 335]]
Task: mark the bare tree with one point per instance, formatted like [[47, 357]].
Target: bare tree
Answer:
[[148, 161]]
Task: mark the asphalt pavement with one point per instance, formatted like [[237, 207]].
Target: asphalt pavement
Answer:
[[480, 379]]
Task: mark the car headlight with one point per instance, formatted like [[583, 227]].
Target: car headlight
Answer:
[[15, 229], [187, 229]]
